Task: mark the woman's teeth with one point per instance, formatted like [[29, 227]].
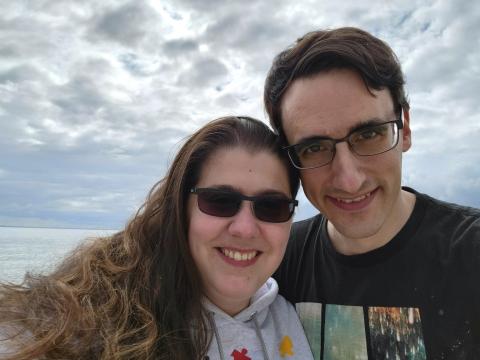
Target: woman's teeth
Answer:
[[239, 256]]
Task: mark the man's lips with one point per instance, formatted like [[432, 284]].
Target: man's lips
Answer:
[[238, 257], [353, 203]]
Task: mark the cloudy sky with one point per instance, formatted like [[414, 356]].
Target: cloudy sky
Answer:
[[96, 96]]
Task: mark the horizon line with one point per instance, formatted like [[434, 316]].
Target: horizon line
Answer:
[[53, 227]]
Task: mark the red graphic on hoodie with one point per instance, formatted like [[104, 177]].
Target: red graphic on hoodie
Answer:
[[237, 355]]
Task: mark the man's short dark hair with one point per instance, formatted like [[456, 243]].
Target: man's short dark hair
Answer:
[[324, 50]]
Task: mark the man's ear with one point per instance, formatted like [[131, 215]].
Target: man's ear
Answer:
[[406, 131]]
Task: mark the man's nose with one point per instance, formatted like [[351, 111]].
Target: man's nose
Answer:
[[348, 175]]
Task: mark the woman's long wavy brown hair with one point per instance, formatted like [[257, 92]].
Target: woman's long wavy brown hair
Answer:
[[136, 294]]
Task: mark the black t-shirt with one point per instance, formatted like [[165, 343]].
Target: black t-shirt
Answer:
[[417, 297]]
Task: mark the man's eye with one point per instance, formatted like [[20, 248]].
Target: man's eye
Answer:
[[372, 133], [366, 135], [313, 148]]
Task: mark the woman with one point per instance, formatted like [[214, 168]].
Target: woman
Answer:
[[187, 278]]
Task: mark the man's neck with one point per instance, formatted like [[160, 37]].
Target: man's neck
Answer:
[[354, 246]]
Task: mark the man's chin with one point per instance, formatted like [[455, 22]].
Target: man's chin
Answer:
[[354, 229]]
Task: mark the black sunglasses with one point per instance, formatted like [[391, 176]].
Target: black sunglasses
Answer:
[[226, 203]]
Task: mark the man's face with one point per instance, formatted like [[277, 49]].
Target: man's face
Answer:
[[360, 195]]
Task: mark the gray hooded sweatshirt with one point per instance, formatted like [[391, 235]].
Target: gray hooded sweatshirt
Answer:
[[268, 328]]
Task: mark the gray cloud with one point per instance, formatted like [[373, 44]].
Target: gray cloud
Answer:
[[96, 97], [179, 47], [203, 73], [127, 24], [205, 6], [21, 73]]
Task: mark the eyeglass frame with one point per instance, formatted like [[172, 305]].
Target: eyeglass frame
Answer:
[[288, 148]]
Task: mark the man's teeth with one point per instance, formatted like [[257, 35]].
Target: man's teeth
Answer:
[[239, 256], [360, 198]]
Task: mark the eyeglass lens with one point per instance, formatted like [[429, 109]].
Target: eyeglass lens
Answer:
[[269, 208], [371, 140]]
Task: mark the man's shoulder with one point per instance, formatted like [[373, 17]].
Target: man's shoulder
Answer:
[[445, 208], [303, 230], [449, 225], [303, 238], [307, 224]]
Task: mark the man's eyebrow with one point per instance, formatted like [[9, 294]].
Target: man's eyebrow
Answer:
[[358, 126], [366, 123]]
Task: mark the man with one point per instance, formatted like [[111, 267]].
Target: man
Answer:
[[383, 272]]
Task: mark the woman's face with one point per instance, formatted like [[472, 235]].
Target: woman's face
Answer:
[[235, 255]]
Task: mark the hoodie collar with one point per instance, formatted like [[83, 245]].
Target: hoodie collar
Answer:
[[259, 304]]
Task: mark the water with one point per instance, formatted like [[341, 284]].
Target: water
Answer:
[[37, 249]]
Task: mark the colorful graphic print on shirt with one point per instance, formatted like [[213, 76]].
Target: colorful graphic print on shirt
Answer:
[[367, 333], [240, 355], [285, 349]]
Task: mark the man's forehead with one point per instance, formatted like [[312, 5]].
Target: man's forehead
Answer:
[[297, 130], [332, 104]]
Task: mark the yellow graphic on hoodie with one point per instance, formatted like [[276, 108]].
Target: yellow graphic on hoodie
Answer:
[[286, 346]]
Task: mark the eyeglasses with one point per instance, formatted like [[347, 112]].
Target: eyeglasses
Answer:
[[368, 140], [226, 203]]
